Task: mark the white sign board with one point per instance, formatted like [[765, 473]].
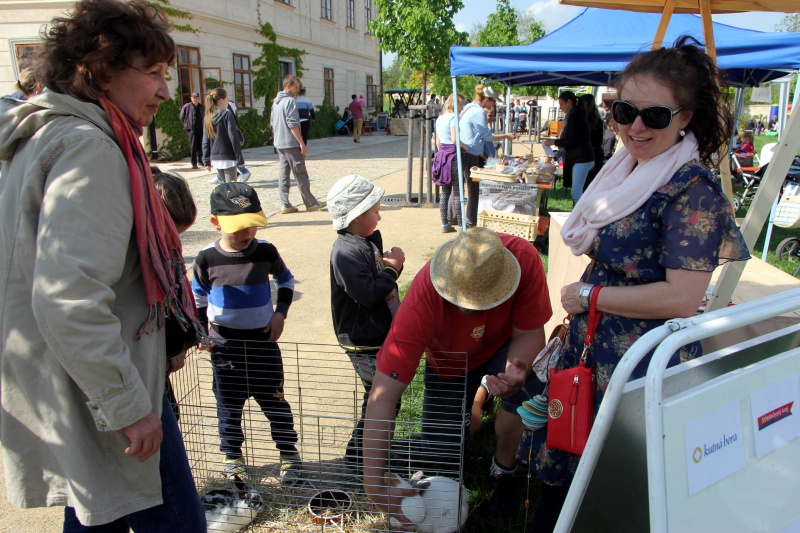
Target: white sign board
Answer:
[[762, 94], [714, 447], [774, 415]]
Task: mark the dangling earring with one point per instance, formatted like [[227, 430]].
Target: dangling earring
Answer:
[[683, 132]]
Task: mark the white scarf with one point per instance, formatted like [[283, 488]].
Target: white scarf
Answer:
[[622, 187]]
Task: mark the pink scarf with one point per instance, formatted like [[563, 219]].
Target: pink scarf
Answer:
[[623, 185], [160, 253]]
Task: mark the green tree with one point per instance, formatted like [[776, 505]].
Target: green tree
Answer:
[[420, 32], [790, 22], [501, 27], [529, 28]]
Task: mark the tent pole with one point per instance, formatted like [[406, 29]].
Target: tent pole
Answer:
[[708, 28], [457, 142], [507, 143]]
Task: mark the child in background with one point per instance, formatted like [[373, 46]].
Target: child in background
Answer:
[[182, 210], [747, 143], [232, 289], [222, 142], [363, 285]]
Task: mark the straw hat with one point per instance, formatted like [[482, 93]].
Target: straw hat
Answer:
[[474, 270]]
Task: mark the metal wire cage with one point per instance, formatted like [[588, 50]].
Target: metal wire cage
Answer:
[[325, 395]]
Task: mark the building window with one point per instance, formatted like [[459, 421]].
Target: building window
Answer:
[[189, 73], [287, 67], [367, 12], [287, 2], [351, 14], [242, 81], [26, 53], [329, 100], [327, 12], [372, 92]]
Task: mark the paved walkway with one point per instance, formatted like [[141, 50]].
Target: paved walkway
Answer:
[[327, 160]]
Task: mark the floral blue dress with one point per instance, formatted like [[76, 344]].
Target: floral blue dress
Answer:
[[687, 224]]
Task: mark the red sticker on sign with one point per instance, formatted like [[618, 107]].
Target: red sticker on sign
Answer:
[[775, 415]]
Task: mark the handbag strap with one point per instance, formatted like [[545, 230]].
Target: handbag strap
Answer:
[[594, 320]]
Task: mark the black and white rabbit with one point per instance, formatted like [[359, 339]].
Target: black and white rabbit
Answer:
[[231, 509], [438, 508]]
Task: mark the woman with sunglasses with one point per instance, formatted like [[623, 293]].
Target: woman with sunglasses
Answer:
[[656, 224], [575, 142]]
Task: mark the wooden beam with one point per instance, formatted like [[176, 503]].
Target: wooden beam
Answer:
[[663, 24], [708, 29]]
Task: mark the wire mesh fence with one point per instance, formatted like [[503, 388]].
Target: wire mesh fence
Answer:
[[240, 443]]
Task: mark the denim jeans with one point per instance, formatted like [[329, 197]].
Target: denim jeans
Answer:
[[579, 173], [181, 510]]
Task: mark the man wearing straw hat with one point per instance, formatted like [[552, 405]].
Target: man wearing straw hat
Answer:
[[477, 308]]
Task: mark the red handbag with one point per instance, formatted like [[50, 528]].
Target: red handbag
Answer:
[[570, 410]]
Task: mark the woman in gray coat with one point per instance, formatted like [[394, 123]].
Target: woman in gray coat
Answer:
[[90, 266]]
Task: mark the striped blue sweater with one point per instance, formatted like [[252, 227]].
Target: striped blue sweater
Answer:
[[232, 289]]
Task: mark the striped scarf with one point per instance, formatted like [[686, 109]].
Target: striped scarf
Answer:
[[160, 253]]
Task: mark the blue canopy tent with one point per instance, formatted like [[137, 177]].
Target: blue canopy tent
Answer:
[[597, 43], [592, 47]]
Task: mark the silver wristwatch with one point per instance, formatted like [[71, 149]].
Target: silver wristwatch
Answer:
[[583, 295]]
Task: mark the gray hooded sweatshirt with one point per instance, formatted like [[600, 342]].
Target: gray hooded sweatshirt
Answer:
[[284, 117]]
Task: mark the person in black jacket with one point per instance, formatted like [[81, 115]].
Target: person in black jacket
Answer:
[[576, 144], [589, 108], [363, 284], [192, 119]]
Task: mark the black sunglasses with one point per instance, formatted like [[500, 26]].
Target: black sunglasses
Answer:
[[655, 117]]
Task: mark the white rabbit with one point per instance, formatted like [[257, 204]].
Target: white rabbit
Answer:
[[438, 508], [413, 507], [444, 512]]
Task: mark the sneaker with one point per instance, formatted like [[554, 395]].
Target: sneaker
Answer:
[[504, 500], [317, 207], [233, 466], [195, 167], [215, 180], [289, 210], [244, 176], [291, 469], [448, 229]]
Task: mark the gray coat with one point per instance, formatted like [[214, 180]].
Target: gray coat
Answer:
[[71, 302]]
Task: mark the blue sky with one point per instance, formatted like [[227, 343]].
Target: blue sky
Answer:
[[553, 15]]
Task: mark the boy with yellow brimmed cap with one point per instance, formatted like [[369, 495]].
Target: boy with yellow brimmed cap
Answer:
[[234, 302]]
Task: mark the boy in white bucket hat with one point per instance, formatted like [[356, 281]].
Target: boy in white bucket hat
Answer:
[[363, 284], [477, 308]]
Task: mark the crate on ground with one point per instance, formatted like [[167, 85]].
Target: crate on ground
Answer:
[[524, 226]]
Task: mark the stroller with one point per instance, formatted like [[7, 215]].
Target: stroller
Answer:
[[750, 176], [751, 181]]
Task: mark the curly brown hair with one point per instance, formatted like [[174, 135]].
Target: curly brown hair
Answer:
[[99, 37], [693, 77]]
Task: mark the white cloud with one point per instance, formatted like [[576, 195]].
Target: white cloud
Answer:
[[551, 14], [460, 26]]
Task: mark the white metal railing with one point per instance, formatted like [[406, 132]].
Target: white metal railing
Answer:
[[668, 339]]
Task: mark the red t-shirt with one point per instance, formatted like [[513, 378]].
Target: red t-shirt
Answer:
[[428, 323], [355, 110]]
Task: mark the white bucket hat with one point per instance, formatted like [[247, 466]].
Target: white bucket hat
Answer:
[[475, 271], [351, 197]]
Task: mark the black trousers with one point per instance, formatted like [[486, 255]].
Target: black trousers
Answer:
[[305, 126], [245, 366], [196, 146]]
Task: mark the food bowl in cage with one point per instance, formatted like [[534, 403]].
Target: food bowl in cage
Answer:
[[329, 506]]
